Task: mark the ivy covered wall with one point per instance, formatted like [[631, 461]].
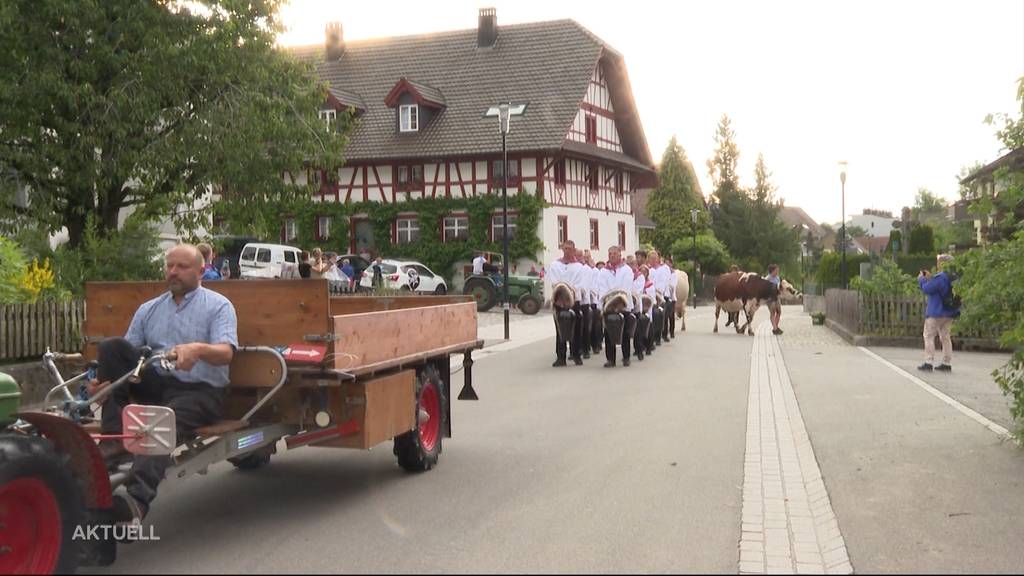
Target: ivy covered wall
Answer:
[[429, 248]]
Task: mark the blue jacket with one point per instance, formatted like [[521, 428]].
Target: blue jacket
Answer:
[[211, 273], [937, 289]]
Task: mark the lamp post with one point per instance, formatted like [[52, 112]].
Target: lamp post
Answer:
[[804, 235], [504, 112], [842, 233], [693, 221]]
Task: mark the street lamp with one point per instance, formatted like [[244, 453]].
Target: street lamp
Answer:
[[504, 112], [693, 221], [842, 233], [804, 235]]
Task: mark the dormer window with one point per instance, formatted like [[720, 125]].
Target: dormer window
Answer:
[[409, 118], [416, 104], [328, 116]]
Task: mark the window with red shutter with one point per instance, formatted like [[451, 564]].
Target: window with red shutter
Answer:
[[591, 123]]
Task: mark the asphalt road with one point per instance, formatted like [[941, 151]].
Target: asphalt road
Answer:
[[553, 470]]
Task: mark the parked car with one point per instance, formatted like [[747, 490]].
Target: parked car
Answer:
[[406, 275], [359, 265], [230, 248], [269, 261]]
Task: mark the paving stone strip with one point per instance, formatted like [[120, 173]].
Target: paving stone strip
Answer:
[[788, 525]]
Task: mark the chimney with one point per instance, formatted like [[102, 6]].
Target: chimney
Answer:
[[335, 42], [487, 32]]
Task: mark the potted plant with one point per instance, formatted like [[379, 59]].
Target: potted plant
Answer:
[[818, 318]]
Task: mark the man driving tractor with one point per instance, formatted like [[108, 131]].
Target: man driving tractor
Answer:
[[200, 327]]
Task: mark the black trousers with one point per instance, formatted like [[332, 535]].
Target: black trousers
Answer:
[[195, 405], [576, 346], [640, 340], [597, 329], [629, 325], [670, 319], [572, 341], [658, 324], [586, 328]]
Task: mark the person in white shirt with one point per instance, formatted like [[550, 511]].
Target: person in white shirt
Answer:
[[567, 314], [670, 302], [618, 315], [584, 289], [478, 265], [596, 335], [643, 321], [659, 276], [649, 291]]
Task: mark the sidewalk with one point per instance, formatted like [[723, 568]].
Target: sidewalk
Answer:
[[916, 485]]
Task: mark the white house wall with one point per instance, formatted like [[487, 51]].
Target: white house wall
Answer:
[[598, 104]]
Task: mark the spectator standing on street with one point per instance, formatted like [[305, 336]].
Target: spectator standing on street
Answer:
[[305, 268], [319, 265], [349, 272], [209, 271], [939, 315], [775, 306], [378, 273]]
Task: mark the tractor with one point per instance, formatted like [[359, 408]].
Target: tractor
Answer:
[[526, 291]]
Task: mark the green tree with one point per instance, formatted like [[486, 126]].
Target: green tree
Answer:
[[922, 239], [146, 105], [670, 203], [1010, 130], [12, 266], [730, 207], [992, 288], [773, 241], [928, 207], [712, 256]]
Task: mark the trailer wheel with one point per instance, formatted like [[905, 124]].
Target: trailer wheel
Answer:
[[418, 449], [40, 507]]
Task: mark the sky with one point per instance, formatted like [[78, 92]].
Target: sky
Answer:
[[899, 90]]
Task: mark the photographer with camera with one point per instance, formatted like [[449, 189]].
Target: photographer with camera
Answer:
[[943, 307]]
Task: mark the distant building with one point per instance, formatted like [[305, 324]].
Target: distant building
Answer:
[[985, 181], [421, 131], [876, 223]]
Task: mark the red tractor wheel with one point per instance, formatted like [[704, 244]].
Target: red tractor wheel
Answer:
[[40, 508], [418, 449]]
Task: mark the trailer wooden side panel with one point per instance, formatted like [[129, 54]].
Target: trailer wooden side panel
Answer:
[[345, 305], [383, 407], [390, 337], [270, 312]]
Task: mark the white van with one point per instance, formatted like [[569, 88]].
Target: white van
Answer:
[[269, 261]]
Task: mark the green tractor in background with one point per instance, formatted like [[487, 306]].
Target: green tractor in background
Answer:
[[527, 292]]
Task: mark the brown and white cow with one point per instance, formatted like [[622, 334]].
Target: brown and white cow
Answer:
[[744, 291], [682, 295]]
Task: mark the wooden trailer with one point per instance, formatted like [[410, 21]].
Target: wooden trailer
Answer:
[[384, 373]]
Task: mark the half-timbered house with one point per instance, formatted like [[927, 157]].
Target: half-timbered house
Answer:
[[420, 103]]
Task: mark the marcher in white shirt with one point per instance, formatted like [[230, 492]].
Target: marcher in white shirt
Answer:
[[596, 328], [643, 321], [670, 302], [584, 289], [567, 314], [618, 317], [659, 276]]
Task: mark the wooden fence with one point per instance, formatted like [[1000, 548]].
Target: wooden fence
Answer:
[[887, 316], [27, 329]]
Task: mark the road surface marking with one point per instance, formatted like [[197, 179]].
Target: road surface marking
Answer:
[[788, 525], [995, 428]]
